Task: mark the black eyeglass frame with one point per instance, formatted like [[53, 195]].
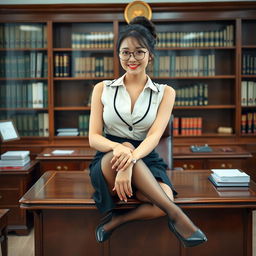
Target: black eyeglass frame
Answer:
[[132, 53]]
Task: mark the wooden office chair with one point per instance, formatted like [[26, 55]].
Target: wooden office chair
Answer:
[[165, 146]]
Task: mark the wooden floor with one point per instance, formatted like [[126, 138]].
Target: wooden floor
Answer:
[[21, 245], [24, 245]]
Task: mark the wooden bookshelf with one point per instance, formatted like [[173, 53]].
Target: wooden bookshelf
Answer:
[[82, 31]]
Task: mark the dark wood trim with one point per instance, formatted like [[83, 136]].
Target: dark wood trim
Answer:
[[113, 13]]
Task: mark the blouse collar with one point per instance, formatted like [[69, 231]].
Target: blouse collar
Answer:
[[150, 84]]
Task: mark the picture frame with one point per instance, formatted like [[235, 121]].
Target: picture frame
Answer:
[[8, 131]]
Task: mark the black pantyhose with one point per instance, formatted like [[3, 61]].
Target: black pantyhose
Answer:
[[145, 182]]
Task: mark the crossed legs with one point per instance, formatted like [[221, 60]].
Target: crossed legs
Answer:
[[157, 198]]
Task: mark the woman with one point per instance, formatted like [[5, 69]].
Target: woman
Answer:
[[133, 112]]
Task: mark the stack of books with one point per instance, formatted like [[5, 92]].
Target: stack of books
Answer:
[[14, 158], [229, 178], [67, 132]]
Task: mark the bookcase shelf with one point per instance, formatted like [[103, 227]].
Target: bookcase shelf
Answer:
[[81, 78], [71, 108], [83, 50], [196, 48], [23, 109], [248, 76], [205, 135], [206, 107], [249, 46], [208, 57], [22, 79], [22, 49], [195, 77], [248, 107]]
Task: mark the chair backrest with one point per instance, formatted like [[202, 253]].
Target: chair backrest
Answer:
[[165, 146]]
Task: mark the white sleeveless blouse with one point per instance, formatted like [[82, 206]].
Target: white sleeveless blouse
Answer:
[[117, 117]]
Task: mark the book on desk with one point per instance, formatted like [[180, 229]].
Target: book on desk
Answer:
[[229, 178], [11, 159]]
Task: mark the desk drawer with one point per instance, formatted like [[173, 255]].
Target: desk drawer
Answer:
[[61, 165], [224, 163], [9, 197], [15, 215], [189, 164], [9, 181]]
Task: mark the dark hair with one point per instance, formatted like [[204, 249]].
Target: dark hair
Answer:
[[143, 30]]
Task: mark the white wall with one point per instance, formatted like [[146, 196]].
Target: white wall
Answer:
[[106, 1]]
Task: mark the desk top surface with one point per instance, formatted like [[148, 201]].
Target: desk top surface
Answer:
[[217, 152], [181, 152], [73, 189]]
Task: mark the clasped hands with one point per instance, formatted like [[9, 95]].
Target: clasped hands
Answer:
[[121, 162]]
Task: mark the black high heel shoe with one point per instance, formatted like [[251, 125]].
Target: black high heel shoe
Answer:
[[198, 237], [100, 233]]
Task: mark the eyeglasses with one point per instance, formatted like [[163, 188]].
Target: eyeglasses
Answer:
[[138, 55]]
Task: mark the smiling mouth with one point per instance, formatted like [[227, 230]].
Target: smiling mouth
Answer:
[[131, 66]]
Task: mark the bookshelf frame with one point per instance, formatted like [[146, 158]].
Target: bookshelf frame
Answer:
[[237, 12]]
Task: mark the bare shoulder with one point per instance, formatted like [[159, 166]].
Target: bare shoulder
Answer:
[[98, 89], [99, 86], [169, 91]]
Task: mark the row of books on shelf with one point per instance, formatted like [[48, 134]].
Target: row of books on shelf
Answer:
[[249, 64], [183, 66], [229, 178], [190, 126], [23, 95], [82, 130], [211, 38], [248, 93], [23, 35], [83, 124], [15, 158], [92, 40], [34, 124], [192, 95], [24, 65], [65, 66], [248, 123]]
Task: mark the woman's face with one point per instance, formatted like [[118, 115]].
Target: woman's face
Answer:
[[133, 56]]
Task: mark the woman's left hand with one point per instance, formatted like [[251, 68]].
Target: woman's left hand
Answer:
[[122, 157]]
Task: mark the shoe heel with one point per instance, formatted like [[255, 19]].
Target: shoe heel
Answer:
[[198, 237], [100, 233]]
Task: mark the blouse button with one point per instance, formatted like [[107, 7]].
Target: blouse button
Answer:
[[130, 128]]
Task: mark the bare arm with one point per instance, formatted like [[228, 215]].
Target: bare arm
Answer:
[[157, 129], [96, 140]]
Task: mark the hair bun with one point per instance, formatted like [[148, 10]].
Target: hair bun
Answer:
[[143, 21]]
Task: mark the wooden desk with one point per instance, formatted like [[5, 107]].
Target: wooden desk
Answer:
[[14, 183], [78, 160], [182, 156], [220, 158], [66, 217]]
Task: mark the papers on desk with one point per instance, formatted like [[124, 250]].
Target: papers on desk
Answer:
[[16, 155], [62, 152], [14, 158], [229, 178]]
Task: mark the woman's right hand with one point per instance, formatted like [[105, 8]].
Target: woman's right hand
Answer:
[[123, 184], [121, 155]]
